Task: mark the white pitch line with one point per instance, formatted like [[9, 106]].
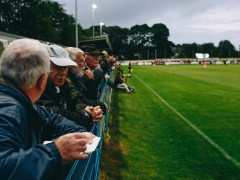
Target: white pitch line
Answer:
[[220, 149]]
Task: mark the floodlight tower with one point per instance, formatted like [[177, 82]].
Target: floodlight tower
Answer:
[[101, 25], [76, 23], [94, 6]]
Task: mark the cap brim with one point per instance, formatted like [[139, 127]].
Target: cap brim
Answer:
[[63, 61], [95, 52]]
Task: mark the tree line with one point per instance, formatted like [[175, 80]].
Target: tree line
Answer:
[[47, 20]]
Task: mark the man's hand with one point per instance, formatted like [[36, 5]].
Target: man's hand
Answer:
[[71, 146], [96, 112], [88, 109], [88, 74]]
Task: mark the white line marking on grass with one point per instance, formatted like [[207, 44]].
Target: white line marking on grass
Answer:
[[221, 150]]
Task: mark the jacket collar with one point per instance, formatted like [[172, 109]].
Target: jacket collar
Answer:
[[9, 88], [20, 94]]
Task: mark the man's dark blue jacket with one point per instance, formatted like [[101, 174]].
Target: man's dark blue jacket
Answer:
[[23, 129]]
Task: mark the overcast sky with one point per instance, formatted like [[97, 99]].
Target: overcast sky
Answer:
[[188, 21]]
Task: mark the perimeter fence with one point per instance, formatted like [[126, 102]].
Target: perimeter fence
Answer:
[[88, 169]]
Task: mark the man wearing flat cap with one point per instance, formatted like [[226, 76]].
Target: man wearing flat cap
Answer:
[[57, 94], [92, 63]]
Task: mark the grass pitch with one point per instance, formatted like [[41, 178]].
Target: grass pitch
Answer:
[[149, 140]]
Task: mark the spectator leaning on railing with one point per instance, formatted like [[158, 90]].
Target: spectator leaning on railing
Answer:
[[77, 76], [92, 58], [24, 67], [105, 64], [57, 94]]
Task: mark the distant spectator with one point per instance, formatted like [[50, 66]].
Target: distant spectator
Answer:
[[24, 68], [130, 67], [119, 83], [105, 64], [119, 68], [57, 94]]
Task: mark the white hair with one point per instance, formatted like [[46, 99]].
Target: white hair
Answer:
[[105, 54], [24, 61], [73, 52]]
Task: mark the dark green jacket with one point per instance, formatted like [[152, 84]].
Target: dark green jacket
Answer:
[[79, 93], [63, 103]]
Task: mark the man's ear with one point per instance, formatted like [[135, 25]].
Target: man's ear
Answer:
[[41, 83]]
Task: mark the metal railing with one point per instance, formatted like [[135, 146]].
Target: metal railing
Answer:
[[88, 169]]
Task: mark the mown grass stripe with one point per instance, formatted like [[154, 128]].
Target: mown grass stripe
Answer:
[[220, 149]]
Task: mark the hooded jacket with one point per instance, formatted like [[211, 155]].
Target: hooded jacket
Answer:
[[23, 128]]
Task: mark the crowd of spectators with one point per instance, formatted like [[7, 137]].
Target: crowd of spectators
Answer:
[[49, 94]]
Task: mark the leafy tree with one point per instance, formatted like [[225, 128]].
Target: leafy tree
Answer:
[[188, 50], [160, 34], [140, 40], [40, 19], [226, 49], [209, 48], [119, 39]]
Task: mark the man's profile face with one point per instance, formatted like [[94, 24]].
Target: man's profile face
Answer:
[[92, 60], [80, 60], [58, 74]]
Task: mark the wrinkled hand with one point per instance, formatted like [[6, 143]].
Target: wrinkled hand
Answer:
[[71, 146], [89, 74], [88, 109], [97, 113], [89, 137]]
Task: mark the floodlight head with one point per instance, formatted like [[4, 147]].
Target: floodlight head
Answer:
[[101, 23], [94, 6]]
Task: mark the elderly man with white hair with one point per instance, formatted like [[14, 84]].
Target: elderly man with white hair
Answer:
[[77, 76], [24, 126]]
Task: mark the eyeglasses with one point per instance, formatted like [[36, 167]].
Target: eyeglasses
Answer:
[[81, 60]]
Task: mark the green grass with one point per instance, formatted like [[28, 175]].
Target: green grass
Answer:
[[150, 141]]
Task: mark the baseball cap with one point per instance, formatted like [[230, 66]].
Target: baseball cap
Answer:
[[90, 49], [60, 56]]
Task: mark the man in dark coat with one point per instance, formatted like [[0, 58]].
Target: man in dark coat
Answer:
[[92, 64], [57, 94], [24, 126]]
